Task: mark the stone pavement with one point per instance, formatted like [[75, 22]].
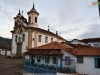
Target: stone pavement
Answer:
[[11, 66]]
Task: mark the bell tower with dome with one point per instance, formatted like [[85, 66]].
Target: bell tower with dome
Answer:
[[33, 17]]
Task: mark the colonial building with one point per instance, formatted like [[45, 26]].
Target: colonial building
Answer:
[[27, 34]]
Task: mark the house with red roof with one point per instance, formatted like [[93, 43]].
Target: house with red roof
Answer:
[[60, 58], [94, 42]]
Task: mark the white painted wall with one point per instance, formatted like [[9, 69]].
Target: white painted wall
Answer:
[[25, 43], [4, 51], [8, 53], [77, 42], [87, 67], [73, 63], [13, 44], [43, 39]]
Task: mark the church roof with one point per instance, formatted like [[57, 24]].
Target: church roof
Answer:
[[19, 12], [33, 10], [46, 31]]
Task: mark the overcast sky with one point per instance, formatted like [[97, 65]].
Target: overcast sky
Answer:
[[71, 18]]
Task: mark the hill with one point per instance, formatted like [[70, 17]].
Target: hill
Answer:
[[5, 43]]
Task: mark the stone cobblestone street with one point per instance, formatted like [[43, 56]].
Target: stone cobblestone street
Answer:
[[9, 66]]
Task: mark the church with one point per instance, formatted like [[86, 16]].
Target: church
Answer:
[[26, 34]]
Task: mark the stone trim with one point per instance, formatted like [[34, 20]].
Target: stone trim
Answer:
[[35, 38], [29, 39]]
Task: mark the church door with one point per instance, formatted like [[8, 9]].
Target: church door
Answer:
[[19, 49]]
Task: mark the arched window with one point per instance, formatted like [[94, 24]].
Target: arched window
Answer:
[[35, 19], [16, 38], [29, 19], [23, 37]]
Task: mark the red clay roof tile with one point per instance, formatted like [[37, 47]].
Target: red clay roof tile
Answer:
[[54, 48]]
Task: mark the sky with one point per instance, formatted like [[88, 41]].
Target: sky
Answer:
[[71, 18]]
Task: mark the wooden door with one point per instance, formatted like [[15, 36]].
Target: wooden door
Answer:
[[19, 49]]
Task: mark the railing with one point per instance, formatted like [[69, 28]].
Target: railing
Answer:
[[50, 67]]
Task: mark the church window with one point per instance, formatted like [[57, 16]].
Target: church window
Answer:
[[35, 19], [39, 38], [23, 37], [29, 19], [51, 39], [16, 38], [46, 39]]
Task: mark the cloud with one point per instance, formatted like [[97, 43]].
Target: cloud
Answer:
[[95, 18], [16, 3], [93, 31], [68, 9], [0, 7], [78, 20], [64, 16], [43, 22], [68, 31]]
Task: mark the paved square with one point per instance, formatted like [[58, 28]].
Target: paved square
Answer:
[[9, 67]]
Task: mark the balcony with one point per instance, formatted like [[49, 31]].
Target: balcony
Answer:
[[44, 68]]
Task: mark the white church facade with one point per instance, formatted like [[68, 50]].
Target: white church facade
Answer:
[[27, 34]]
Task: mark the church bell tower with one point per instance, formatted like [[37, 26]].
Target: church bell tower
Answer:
[[33, 17]]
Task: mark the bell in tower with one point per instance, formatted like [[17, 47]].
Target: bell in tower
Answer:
[[33, 17]]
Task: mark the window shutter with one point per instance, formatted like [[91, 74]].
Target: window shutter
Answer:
[[96, 62]]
